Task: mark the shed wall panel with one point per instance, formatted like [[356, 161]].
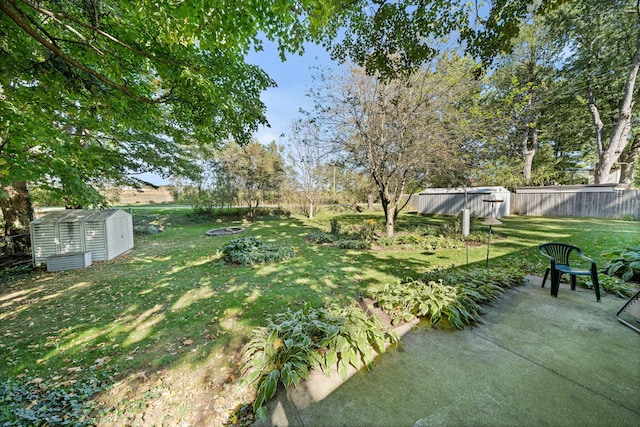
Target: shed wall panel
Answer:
[[70, 237], [96, 240], [44, 241]]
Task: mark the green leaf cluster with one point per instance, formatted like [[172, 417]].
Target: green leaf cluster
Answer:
[[36, 403], [321, 237], [297, 341], [252, 250], [453, 295], [624, 263]]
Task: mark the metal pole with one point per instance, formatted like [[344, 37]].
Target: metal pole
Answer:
[[488, 248]]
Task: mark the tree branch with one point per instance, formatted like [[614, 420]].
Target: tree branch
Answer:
[[15, 17]]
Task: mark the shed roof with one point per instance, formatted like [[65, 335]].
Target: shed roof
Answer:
[[75, 215], [590, 188], [470, 190]]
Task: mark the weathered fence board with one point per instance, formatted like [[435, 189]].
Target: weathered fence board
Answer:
[[615, 203]]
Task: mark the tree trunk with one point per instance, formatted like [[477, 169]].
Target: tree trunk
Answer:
[[16, 211], [629, 160], [620, 134], [388, 206], [528, 154]]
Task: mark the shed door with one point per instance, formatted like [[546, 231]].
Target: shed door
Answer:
[[121, 237]]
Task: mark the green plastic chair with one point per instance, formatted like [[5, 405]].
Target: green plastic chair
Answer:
[[559, 255]]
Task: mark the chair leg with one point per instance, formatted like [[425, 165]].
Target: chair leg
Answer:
[[544, 279], [596, 282], [573, 282], [555, 282]]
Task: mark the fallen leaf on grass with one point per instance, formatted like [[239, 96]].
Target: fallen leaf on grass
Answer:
[[74, 369], [187, 342]]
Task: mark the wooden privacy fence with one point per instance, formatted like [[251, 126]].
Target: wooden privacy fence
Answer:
[[597, 201]]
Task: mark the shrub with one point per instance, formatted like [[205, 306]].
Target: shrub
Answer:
[[321, 237], [296, 342], [386, 241], [367, 230], [251, 250], [411, 240], [352, 244]]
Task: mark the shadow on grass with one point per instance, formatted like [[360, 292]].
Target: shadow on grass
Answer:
[[169, 304]]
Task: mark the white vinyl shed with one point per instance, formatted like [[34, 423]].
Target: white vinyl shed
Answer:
[[104, 234], [450, 201]]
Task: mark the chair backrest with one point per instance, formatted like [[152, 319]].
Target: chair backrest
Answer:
[[558, 251]]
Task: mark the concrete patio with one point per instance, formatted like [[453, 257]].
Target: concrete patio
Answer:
[[536, 360]]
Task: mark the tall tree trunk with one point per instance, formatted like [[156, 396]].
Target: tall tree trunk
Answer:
[[629, 161], [17, 212], [619, 137]]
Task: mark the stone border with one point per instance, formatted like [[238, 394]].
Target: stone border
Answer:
[[224, 231]]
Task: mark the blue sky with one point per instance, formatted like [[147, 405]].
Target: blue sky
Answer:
[[294, 79]]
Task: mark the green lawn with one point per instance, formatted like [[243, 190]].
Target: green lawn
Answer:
[[170, 304]]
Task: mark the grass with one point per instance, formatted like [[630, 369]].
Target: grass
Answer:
[[171, 306]]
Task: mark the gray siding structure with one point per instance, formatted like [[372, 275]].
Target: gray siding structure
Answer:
[[450, 201], [105, 234]]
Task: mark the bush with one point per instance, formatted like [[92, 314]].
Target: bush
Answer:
[[358, 245], [251, 250], [296, 342], [386, 242], [321, 237], [367, 230]]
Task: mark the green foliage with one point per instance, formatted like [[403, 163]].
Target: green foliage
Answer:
[[35, 404], [367, 230], [454, 295], [335, 227], [615, 286], [624, 263], [358, 245], [321, 237], [251, 250], [297, 341]]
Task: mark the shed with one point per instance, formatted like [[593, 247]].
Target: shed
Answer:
[[450, 201], [104, 233]]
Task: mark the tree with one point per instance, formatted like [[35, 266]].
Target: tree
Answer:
[[308, 155], [401, 132], [99, 90], [604, 39], [519, 92], [255, 171]]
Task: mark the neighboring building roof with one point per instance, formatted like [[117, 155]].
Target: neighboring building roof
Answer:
[[469, 190], [592, 188]]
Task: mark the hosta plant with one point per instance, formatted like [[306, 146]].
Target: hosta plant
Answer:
[[624, 263], [295, 342], [252, 250], [454, 295]]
